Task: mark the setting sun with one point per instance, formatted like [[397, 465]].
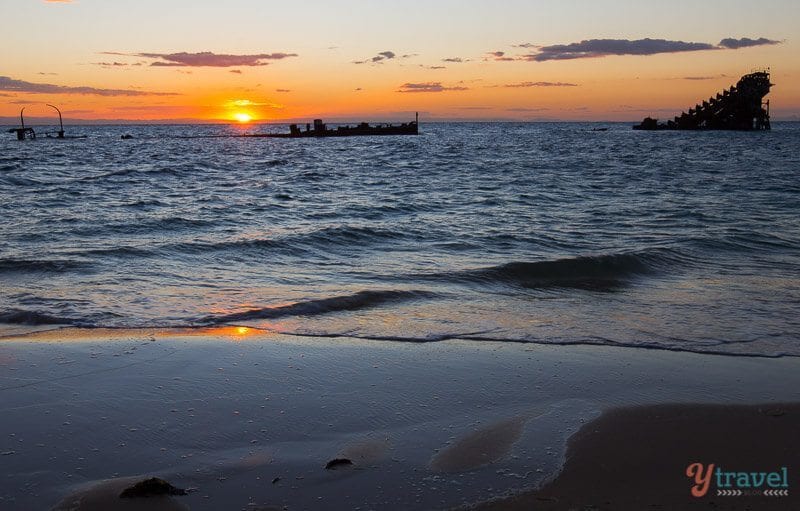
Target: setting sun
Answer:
[[242, 117]]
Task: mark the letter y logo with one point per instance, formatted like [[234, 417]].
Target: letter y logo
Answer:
[[702, 478]]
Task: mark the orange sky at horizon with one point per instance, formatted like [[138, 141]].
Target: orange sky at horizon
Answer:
[[175, 68]]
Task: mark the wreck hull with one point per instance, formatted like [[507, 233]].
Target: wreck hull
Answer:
[[739, 108]]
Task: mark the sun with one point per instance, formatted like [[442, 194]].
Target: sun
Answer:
[[243, 117]]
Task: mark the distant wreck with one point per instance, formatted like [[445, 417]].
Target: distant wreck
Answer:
[[360, 130], [741, 107], [28, 133]]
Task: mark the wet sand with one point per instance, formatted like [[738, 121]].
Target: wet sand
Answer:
[[105, 495], [482, 447], [636, 459], [249, 419]]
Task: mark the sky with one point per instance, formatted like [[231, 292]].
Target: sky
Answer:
[[270, 61]]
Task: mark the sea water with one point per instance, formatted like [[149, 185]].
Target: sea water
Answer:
[[498, 232]]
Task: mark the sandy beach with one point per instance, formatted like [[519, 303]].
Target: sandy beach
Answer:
[[635, 458], [247, 419]]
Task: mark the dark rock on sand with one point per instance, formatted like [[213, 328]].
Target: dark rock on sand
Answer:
[[104, 495], [151, 488], [338, 463]]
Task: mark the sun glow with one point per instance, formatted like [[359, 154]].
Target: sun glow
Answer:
[[242, 117]]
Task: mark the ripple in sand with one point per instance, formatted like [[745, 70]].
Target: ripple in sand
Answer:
[[481, 447], [367, 450], [104, 495]]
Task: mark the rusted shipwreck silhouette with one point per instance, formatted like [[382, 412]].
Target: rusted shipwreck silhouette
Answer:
[[319, 129], [28, 133], [741, 107]]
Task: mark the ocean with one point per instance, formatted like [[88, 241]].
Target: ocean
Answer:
[[542, 233]]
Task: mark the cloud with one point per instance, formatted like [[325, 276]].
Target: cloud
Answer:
[[238, 103], [432, 67], [207, 59], [745, 42], [539, 84], [236, 71], [110, 64], [634, 109], [59, 1], [454, 60], [383, 56], [499, 56], [698, 78], [593, 48], [12, 85], [525, 45], [428, 87], [283, 90], [521, 109]]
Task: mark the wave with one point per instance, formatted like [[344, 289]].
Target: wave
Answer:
[[122, 251], [599, 273], [715, 349], [356, 301], [747, 241], [40, 265], [19, 181], [278, 162], [326, 238], [154, 225], [32, 318]]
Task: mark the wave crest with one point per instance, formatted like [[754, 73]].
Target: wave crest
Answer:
[[356, 301], [39, 265], [31, 318], [598, 273]]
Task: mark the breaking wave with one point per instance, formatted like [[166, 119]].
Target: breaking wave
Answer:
[[600, 273], [356, 301], [31, 318], [39, 265]]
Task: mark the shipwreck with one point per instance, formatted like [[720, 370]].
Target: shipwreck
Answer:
[[741, 107], [319, 129], [28, 133]]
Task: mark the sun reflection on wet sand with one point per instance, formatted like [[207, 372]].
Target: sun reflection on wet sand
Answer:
[[231, 332]]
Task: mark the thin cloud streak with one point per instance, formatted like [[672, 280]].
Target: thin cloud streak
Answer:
[[746, 42], [499, 56], [12, 85], [594, 48], [207, 59], [539, 84], [383, 56], [428, 87]]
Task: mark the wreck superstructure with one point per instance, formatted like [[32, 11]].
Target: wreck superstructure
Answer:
[[741, 107], [320, 129]]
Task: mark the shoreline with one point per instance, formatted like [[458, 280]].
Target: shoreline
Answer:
[[44, 332], [636, 458], [426, 425]]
